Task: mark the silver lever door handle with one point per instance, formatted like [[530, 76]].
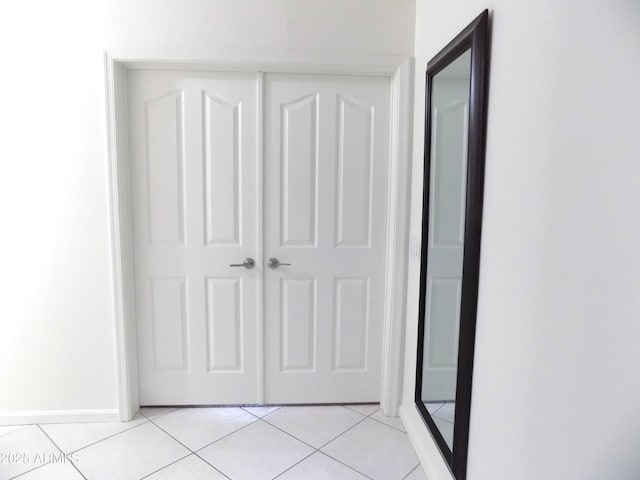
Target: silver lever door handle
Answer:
[[248, 263], [274, 263]]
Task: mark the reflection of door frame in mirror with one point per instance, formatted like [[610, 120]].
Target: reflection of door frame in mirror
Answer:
[[475, 38]]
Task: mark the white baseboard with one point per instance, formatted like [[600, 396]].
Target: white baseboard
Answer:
[[58, 416], [433, 464]]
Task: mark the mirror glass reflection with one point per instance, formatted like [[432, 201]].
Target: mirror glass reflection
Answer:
[[447, 197]]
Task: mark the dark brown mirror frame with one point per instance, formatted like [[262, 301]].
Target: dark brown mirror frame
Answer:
[[474, 37]]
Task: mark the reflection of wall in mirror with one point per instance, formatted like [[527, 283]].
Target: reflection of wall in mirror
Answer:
[[450, 119]]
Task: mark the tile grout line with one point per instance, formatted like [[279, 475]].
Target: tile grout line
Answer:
[[193, 451], [29, 471], [383, 423], [318, 450], [443, 419], [225, 436], [148, 421], [315, 450], [261, 417], [343, 433], [60, 450], [345, 465], [253, 414], [44, 464], [324, 445], [163, 430], [390, 426], [19, 427], [111, 436], [212, 466], [340, 434], [78, 470], [39, 466], [166, 466], [289, 434], [412, 470], [431, 413], [295, 464], [271, 413], [360, 413], [157, 416], [364, 417]]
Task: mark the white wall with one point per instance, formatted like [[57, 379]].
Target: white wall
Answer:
[[56, 315], [311, 26], [56, 340], [556, 387]]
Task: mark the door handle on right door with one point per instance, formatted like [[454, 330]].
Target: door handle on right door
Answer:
[[274, 263]]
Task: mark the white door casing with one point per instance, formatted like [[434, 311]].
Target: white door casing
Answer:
[[326, 174], [194, 157], [118, 64]]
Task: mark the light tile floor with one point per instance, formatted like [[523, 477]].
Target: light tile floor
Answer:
[[354, 442], [443, 415]]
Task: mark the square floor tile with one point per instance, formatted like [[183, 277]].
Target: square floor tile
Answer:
[[53, 471], [417, 474], [155, 412], [365, 410], [257, 452], [261, 411], [393, 422], [190, 468], [198, 427], [314, 425], [73, 436], [376, 450], [446, 412], [25, 449], [130, 455], [320, 467]]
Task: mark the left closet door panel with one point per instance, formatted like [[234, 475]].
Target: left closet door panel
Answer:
[[193, 158]]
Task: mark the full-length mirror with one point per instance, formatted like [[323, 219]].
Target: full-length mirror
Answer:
[[454, 177], [445, 242]]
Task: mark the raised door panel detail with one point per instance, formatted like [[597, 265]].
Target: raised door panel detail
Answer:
[[298, 324], [444, 312], [165, 168], [169, 323], [224, 324], [351, 323], [355, 136], [449, 154], [299, 142], [222, 120]]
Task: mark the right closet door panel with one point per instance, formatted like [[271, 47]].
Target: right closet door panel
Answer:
[[325, 222]]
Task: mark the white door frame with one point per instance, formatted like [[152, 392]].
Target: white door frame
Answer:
[[400, 72]]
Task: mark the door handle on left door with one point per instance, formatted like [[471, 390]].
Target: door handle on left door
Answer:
[[248, 263]]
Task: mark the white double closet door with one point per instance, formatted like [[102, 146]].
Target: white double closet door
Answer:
[[233, 166]]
